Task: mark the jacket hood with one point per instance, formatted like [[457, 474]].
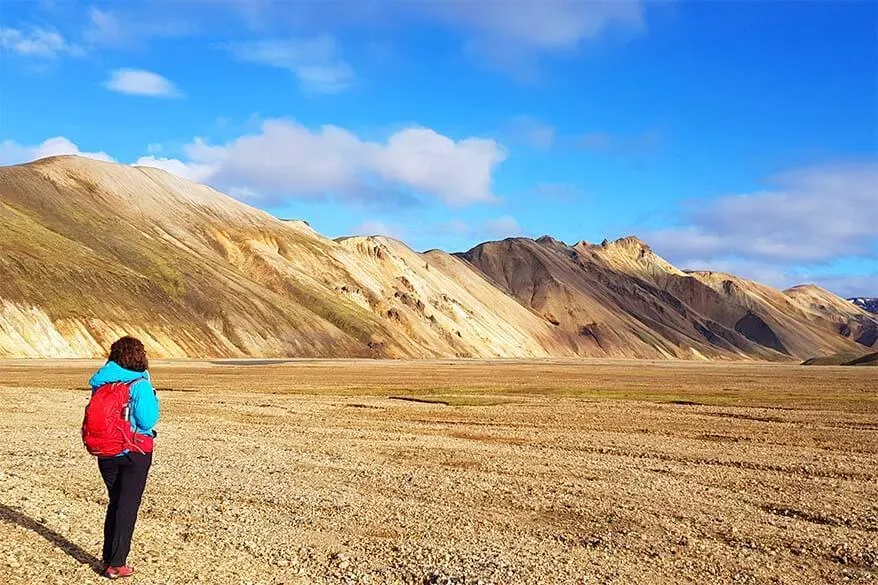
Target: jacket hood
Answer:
[[113, 372]]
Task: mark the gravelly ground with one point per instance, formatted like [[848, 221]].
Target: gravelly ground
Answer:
[[772, 478]]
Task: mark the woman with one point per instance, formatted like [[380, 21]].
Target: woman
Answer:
[[125, 473]]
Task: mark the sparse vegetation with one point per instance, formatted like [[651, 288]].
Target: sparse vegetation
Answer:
[[343, 314]]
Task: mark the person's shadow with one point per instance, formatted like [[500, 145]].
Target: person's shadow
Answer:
[[8, 514]]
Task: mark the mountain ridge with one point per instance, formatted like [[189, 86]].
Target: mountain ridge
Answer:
[[866, 303], [95, 249]]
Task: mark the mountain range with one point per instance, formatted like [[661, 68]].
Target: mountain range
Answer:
[[91, 250]]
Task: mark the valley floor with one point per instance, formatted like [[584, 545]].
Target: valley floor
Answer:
[[458, 472]]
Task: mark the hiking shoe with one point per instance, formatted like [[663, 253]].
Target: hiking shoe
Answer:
[[117, 572]]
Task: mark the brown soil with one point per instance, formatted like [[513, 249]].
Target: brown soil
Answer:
[[491, 472]]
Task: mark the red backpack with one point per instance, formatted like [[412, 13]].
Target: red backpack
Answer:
[[106, 430]]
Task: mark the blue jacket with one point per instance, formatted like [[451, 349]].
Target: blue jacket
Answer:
[[144, 402]]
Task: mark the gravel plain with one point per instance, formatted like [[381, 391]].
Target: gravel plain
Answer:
[[312, 472]]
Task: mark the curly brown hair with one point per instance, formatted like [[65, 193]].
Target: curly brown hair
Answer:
[[129, 353]]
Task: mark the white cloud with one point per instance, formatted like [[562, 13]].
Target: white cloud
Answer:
[[849, 285], [192, 172], [316, 62], [37, 42], [458, 172], [141, 82], [286, 159], [544, 24], [811, 215], [13, 153], [510, 35], [781, 236], [785, 276]]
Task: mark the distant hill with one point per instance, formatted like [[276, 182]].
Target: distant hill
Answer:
[[867, 360], [870, 359], [90, 250], [866, 303], [621, 299]]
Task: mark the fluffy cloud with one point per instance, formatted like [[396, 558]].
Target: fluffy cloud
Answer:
[[37, 42], [508, 35], [811, 215], [457, 172], [316, 62], [13, 153], [785, 276], [849, 286], [192, 172], [808, 218], [286, 159], [141, 82]]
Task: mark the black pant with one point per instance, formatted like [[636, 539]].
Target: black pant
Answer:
[[125, 477]]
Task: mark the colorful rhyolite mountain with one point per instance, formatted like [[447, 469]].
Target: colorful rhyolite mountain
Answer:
[[92, 250]]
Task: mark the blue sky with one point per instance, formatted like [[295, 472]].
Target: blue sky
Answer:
[[738, 136]]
